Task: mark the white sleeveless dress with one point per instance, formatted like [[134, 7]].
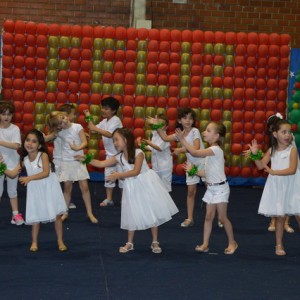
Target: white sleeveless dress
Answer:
[[44, 200], [281, 194], [145, 200]]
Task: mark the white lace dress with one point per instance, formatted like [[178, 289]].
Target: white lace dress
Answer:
[[145, 201], [44, 200], [281, 194]]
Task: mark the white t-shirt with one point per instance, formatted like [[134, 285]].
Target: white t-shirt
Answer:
[[70, 136], [161, 160], [193, 135], [109, 125], [10, 134], [214, 166]]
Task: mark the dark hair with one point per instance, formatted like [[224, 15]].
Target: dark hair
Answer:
[[183, 112], [128, 135], [276, 126], [164, 118], [43, 147], [111, 102], [67, 107], [4, 106]]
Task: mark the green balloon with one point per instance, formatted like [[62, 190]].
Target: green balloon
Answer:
[[118, 89], [219, 48], [217, 93], [142, 45], [120, 45], [208, 48], [97, 55], [64, 41], [296, 96], [109, 44], [297, 139], [229, 50], [75, 42], [98, 43], [52, 75], [206, 92], [53, 41], [184, 92], [294, 116], [162, 91], [151, 90]]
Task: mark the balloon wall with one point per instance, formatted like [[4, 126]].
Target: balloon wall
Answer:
[[239, 79]]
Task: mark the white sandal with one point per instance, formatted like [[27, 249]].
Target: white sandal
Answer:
[[107, 202], [128, 247], [155, 247]]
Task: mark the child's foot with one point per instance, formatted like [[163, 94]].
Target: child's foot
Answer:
[[107, 202], [271, 226], [64, 217], [155, 247], [279, 250], [17, 220], [187, 223], [93, 219], [34, 247], [220, 224], [231, 249], [288, 228], [128, 247], [61, 246], [201, 248], [72, 205]]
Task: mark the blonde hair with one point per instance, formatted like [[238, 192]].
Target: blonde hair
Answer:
[[53, 120]]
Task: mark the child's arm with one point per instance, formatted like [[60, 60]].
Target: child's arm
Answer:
[[83, 144], [98, 163], [50, 137], [161, 132], [93, 127], [154, 146], [187, 167], [291, 170], [14, 172], [132, 173], [191, 148], [9, 145], [45, 171]]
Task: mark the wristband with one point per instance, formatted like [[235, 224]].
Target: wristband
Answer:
[[88, 158], [156, 126], [256, 156], [143, 146], [193, 170], [88, 118], [3, 168]]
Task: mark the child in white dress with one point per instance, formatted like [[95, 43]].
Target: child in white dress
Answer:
[[186, 121], [145, 201], [281, 195], [44, 201], [217, 193], [161, 157], [73, 141]]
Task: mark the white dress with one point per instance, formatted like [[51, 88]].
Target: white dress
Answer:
[[145, 201], [281, 193], [44, 200]]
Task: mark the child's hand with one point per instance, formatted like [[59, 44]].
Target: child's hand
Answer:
[[146, 141], [152, 121], [74, 147], [179, 134], [79, 157], [176, 151], [91, 127], [86, 112], [269, 170], [246, 153], [112, 176], [24, 180], [253, 147], [187, 166], [139, 141]]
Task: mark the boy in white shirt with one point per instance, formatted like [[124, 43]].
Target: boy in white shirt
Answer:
[[110, 122]]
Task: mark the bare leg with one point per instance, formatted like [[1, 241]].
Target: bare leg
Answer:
[[209, 217], [191, 193], [59, 234], [129, 245], [279, 235], [109, 195], [34, 236], [14, 204], [68, 186], [287, 226], [155, 244], [84, 187]]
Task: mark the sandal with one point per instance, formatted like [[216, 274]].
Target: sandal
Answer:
[[288, 228], [128, 247], [201, 248], [62, 247], [187, 223], [279, 250], [64, 217], [230, 251], [220, 224], [34, 247], [271, 226], [107, 202], [93, 219], [155, 247]]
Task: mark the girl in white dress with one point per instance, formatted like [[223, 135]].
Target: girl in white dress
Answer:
[[161, 157], [145, 201], [281, 195], [186, 121], [44, 201], [217, 193], [73, 141]]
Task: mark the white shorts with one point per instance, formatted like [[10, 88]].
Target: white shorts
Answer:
[[109, 170], [73, 171], [217, 194]]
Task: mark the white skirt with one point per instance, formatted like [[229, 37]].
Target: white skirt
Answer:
[[73, 171]]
